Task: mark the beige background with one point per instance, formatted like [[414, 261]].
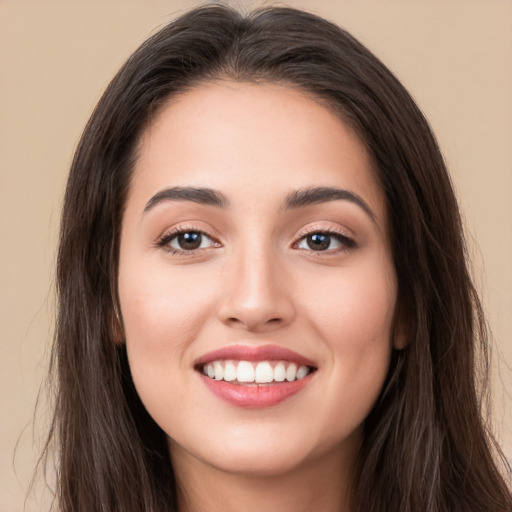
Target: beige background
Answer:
[[57, 57]]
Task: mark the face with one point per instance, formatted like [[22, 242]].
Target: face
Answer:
[[256, 281]]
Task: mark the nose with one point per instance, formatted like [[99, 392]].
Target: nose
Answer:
[[255, 296]]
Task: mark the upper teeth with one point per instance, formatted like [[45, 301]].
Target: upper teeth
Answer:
[[261, 372]]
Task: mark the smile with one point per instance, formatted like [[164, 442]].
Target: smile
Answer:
[[255, 376], [262, 372]]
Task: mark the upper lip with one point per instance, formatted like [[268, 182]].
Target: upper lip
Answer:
[[244, 352]]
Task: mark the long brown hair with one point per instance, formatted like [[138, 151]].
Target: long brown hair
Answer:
[[426, 446]]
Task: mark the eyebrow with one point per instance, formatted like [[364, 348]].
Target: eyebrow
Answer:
[[309, 196], [297, 199], [198, 195]]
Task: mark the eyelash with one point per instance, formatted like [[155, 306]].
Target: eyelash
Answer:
[[347, 243], [164, 241]]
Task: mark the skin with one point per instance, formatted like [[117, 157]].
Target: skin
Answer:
[[256, 281]]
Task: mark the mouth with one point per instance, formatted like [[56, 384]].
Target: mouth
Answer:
[[255, 373], [255, 377]]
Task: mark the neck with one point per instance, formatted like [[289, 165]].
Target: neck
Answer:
[[318, 485]]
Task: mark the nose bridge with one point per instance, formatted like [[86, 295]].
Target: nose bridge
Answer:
[[255, 296], [258, 282]]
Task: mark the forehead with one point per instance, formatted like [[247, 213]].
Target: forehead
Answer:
[[260, 139]]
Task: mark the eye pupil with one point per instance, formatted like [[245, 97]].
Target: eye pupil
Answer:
[[318, 242], [190, 240]]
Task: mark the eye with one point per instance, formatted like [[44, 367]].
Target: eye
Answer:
[[186, 241], [325, 241]]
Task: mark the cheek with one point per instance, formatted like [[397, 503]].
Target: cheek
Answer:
[[353, 316], [162, 307], [163, 311], [354, 307]]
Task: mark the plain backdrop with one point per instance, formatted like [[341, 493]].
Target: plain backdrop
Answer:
[[56, 57]]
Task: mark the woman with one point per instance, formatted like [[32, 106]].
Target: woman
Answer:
[[264, 298]]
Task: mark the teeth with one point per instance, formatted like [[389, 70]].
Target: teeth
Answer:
[[229, 371], [263, 372], [291, 372], [245, 372], [279, 372], [219, 370], [302, 371]]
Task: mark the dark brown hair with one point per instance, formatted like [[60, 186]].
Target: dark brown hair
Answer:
[[426, 446]]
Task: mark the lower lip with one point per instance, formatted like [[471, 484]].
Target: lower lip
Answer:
[[255, 396]]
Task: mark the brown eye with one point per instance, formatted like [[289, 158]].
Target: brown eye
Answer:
[[189, 241], [318, 241], [326, 241]]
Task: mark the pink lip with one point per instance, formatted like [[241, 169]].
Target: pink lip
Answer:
[[254, 353], [255, 396]]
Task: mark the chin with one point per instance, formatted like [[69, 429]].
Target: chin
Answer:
[[259, 462], [255, 452]]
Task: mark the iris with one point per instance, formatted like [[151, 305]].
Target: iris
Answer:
[[319, 242]]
